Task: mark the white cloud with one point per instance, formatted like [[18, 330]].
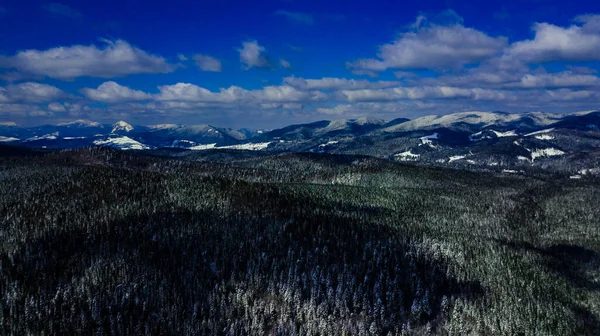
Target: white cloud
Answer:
[[570, 95], [113, 92], [562, 79], [182, 57], [434, 46], [297, 17], [553, 43], [117, 58], [285, 64], [22, 110], [423, 93], [251, 55], [235, 95], [207, 63], [76, 109], [328, 83], [29, 92], [56, 107], [336, 110]]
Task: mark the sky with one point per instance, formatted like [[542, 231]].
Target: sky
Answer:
[[271, 63]]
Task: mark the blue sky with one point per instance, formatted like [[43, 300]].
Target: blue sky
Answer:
[[271, 63]]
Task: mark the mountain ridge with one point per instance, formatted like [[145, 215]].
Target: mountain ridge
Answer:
[[468, 140]]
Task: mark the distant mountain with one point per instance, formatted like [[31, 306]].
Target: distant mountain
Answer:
[[81, 123], [325, 128], [122, 127], [122, 142], [165, 135], [471, 140], [476, 121]]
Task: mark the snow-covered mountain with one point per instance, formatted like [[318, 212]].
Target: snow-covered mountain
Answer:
[[122, 142], [475, 121], [80, 123], [325, 128], [122, 126], [475, 139]]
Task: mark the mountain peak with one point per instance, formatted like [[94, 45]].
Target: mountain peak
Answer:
[[369, 120], [122, 126], [81, 123]]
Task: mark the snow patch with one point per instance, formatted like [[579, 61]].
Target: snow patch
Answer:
[[544, 137], [407, 156], [505, 134], [8, 139], [575, 177], [546, 152], [8, 124], [496, 134], [510, 171], [426, 140], [590, 171], [248, 146], [203, 147], [123, 143], [540, 132], [182, 143], [475, 136], [51, 136], [333, 142], [456, 157]]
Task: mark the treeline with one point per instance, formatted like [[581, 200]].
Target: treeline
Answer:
[[107, 243]]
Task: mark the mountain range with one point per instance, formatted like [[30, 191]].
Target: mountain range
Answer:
[[510, 143]]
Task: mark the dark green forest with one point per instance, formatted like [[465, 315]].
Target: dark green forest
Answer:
[[97, 241]]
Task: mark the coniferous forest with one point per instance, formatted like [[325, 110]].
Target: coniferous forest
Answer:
[[97, 241]]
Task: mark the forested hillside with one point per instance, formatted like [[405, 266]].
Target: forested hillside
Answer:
[[104, 242]]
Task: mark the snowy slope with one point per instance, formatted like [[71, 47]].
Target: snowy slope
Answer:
[[122, 126], [122, 142]]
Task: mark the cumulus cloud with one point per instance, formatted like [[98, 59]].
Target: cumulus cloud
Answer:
[[558, 80], [336, 110], [207, 63], [113, 92], [252, 55], [234, 94], [56, 107], [579, 42], [328, 83], [115, 59], [22, 110], [61, 10], [411, 93], [434, 46], [297, 17], [29, 92], [182, 57]]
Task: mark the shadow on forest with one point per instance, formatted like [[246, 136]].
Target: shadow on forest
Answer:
[[568, 262], [185, 255]]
